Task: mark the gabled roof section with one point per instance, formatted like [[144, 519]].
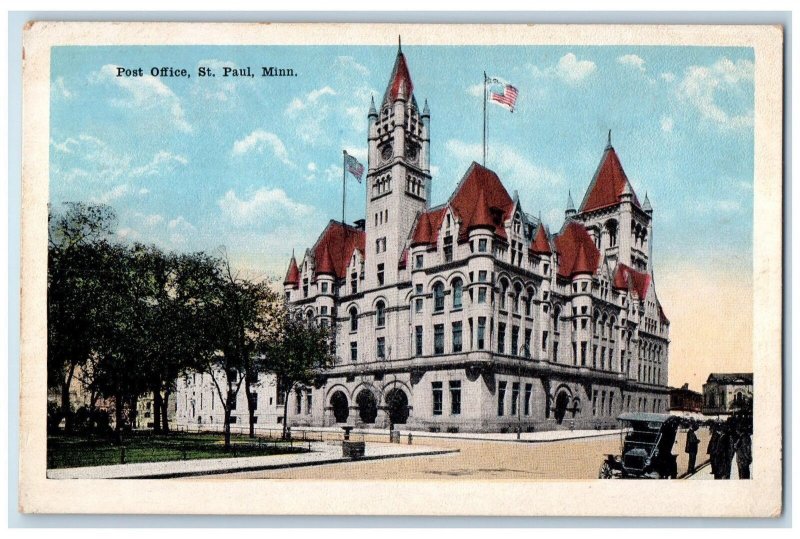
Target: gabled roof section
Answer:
[[400, 85], [426, 231], [627, 278], [541, 244], [569, 243], [292, 274], [731, 378], [661, 315], [608, 183], [480, 182], [340, 241]]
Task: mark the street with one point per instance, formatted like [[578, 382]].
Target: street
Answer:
[[484, 459]]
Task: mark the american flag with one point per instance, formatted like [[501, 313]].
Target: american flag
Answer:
[[353, 166], [507, 98]]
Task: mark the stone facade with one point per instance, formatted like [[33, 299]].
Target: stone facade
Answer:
[[724, 393], [471, 315]]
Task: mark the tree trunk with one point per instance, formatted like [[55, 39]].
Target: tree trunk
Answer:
[[118, 416], [228, 427], [164, 414], [156, 409], [250, 406], [285, 412], [66, 409]]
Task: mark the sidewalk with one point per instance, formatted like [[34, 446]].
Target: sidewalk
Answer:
[[525, 437], [321, 453]]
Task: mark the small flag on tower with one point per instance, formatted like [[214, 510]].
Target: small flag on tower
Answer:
[[352, 166], [505, 95]]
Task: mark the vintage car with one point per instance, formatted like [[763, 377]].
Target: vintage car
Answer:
[[647, 441]]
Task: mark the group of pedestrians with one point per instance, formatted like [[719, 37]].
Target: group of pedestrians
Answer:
[[728, 440]]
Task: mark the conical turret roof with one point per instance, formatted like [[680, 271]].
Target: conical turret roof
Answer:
[[608, 183], [582, 264], [540, 244], [292, 274], [400, 85], [324, 263], [481, 218]]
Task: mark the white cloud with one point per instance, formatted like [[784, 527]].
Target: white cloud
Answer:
[[180, 230], [145, 92], [258, 140], [311, 167], [632, 60], [114, 194], [349, 65], [60, 89], [667, 124], [144, 191], [707, 87], [476, 90], [667, 76], [217, 88], [569, 69], [64, 147], [311, 98], [262, 204], [161, 162]]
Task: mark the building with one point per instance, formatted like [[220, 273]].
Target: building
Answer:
[[683, 399], [472, 315], [724, 393]]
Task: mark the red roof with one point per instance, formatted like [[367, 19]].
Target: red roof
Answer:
[[626, 278], [480, 183], [324, 264], [401, 264], [540, 244], [292, 274], [426, 231], [576, 251], [608, 183], [340, 241], [400, 85]]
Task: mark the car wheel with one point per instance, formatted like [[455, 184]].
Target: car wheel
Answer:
[[605, 471]]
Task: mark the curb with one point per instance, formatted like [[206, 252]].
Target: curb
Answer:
[[687, 475], [260, 467]]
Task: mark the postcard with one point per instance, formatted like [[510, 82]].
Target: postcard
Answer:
[[388, 269]]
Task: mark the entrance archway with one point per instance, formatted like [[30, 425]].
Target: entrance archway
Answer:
[[341, 409], [562, 401], [397, 402], [367, 406]]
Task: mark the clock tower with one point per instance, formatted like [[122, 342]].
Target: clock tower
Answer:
[[398, 177]]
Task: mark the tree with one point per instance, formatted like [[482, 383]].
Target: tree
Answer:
[[297, 352], [78, 237]]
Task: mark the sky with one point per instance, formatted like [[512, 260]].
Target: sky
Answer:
[[255, 164]]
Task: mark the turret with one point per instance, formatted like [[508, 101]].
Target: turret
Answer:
[[570, 212]]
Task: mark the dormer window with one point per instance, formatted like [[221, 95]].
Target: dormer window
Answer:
[[448, 248]]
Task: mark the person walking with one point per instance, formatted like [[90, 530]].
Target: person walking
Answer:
[[724, 452], [711, 450], [744, 453], [692, 442]]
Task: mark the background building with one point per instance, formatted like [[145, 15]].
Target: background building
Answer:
[[472, 315], [683, 399], [724, 393]]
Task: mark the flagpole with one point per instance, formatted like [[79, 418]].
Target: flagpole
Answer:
[[344, 182], [484, 118]]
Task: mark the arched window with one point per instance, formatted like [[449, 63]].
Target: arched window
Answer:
[[503, 291], [458, 288], [380, 313], [528, 300], [353, 319], [517, 294], [611, 227], [438, 297]]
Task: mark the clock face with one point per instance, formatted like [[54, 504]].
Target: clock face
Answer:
[[386, 152]]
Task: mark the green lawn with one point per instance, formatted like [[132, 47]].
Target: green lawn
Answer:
[[77, 451]]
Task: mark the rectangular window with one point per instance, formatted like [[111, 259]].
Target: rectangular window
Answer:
[[481, 295], [324, 288], [436, 388], [481, 332], [457, 331], [298, 402], [527, 351], [380, 274], [305, 288], [448, 248], [438, 339], [515, 350], [381, 347], [482, 246], [544, 341], [353, 283], [418, 262], [455, 397], [323, 310], [501, 338], [418, 340], [594, 402], [354, 351], [583, 353], [232, 402], [418, 305], [309, 401], [528, 393], [482, 276], [501, 398], [514, 397], [253, 400]]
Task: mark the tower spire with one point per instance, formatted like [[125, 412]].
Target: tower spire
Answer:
[[399, 44], [608, 145]]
